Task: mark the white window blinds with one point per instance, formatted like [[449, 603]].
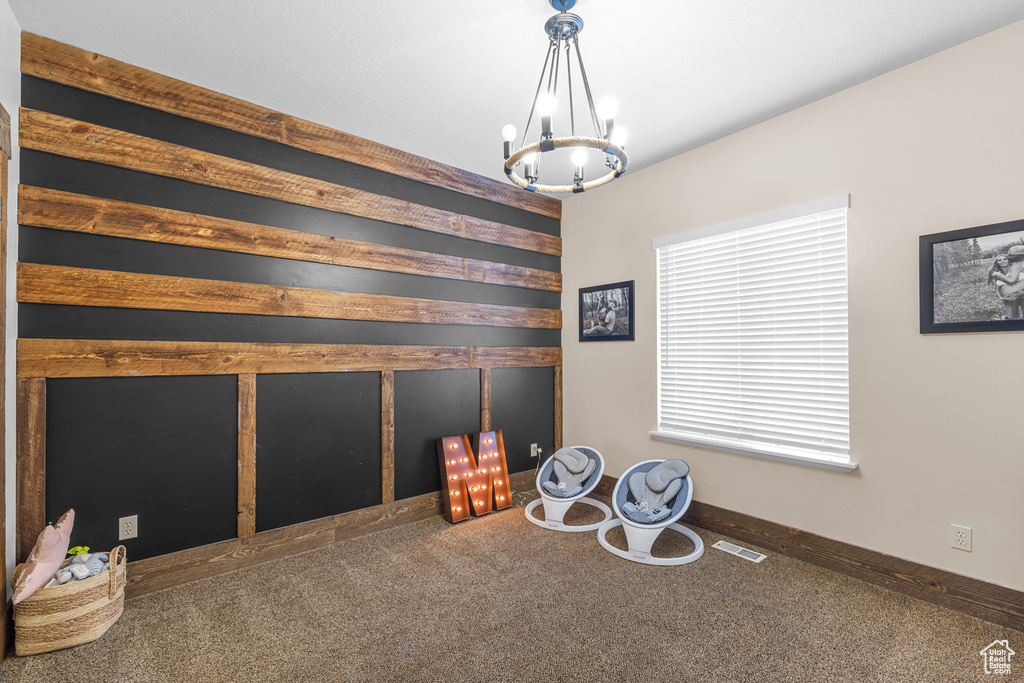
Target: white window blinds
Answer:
[[753, 335]]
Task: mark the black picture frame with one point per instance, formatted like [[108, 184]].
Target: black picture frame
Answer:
[[959, 292], [594, 300]]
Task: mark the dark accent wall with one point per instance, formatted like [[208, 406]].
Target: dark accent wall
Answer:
[[317, 446], [430, 404], [162, 448], [167, 448], [520, 405]]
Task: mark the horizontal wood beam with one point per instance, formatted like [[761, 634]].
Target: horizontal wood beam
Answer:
[[164, 571], [80, 140], [54, 61], [39, 358], [43, 284], [44, 208]]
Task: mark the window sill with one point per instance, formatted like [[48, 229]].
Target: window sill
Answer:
[[822, 463]]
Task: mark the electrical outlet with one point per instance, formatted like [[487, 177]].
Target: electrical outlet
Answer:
[[960, 537], [534, 451], [127, 527]]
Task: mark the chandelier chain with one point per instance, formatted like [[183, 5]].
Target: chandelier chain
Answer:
[[553, 84], [568, 80], [540, 83], [586, 86]]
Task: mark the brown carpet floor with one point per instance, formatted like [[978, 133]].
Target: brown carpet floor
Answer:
[[497, 598]]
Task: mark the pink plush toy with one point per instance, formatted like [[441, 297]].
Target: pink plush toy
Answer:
[[46, 557]]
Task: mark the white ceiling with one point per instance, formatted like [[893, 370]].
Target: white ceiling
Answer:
[[439, 78]]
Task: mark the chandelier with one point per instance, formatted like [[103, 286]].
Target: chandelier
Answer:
[[563, 32]]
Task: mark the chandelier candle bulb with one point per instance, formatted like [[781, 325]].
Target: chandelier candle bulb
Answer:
[[618, 136], [508, 134], [546, 109], [579, 160], [607, 108], [530, 170]]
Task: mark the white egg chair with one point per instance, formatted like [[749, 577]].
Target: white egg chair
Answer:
[[649, 498], [564, 480]]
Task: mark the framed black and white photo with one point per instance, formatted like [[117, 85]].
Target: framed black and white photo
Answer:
[[606, 312], [972, 280]]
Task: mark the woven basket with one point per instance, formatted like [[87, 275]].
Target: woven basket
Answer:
[[71, 614]]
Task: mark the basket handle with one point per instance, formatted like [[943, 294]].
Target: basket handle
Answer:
[[117, 557]]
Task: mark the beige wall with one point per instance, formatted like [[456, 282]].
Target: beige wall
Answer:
[[936, 420]]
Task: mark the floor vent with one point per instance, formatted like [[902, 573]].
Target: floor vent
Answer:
[[742, 552]]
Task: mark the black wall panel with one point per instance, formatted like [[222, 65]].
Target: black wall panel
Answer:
[[317, 446], [79, 322], [162, 448], [85, 250], [430, 404], [521, 400]]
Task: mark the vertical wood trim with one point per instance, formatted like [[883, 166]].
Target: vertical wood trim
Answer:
[[31, 466], [485, 399], [387, 436], [246, 455], [558, 407], [4, 159], [5, 134]]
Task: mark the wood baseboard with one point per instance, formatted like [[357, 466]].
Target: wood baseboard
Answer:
[[1003, 606], [172, 569]]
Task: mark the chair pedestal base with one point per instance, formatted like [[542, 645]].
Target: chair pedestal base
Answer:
[[554, 513], [641, 539]]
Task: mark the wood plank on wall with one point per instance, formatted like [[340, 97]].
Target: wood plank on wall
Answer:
[[514, 356], [387, 435], [46, 208], [246, 455], [38, 358], [485, 399], [54, 61], [67, 137], [5, 133], [5, 139], [43, 284], [31, 464], [558, 407]]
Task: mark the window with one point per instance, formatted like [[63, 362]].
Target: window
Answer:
[[752, 336]]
